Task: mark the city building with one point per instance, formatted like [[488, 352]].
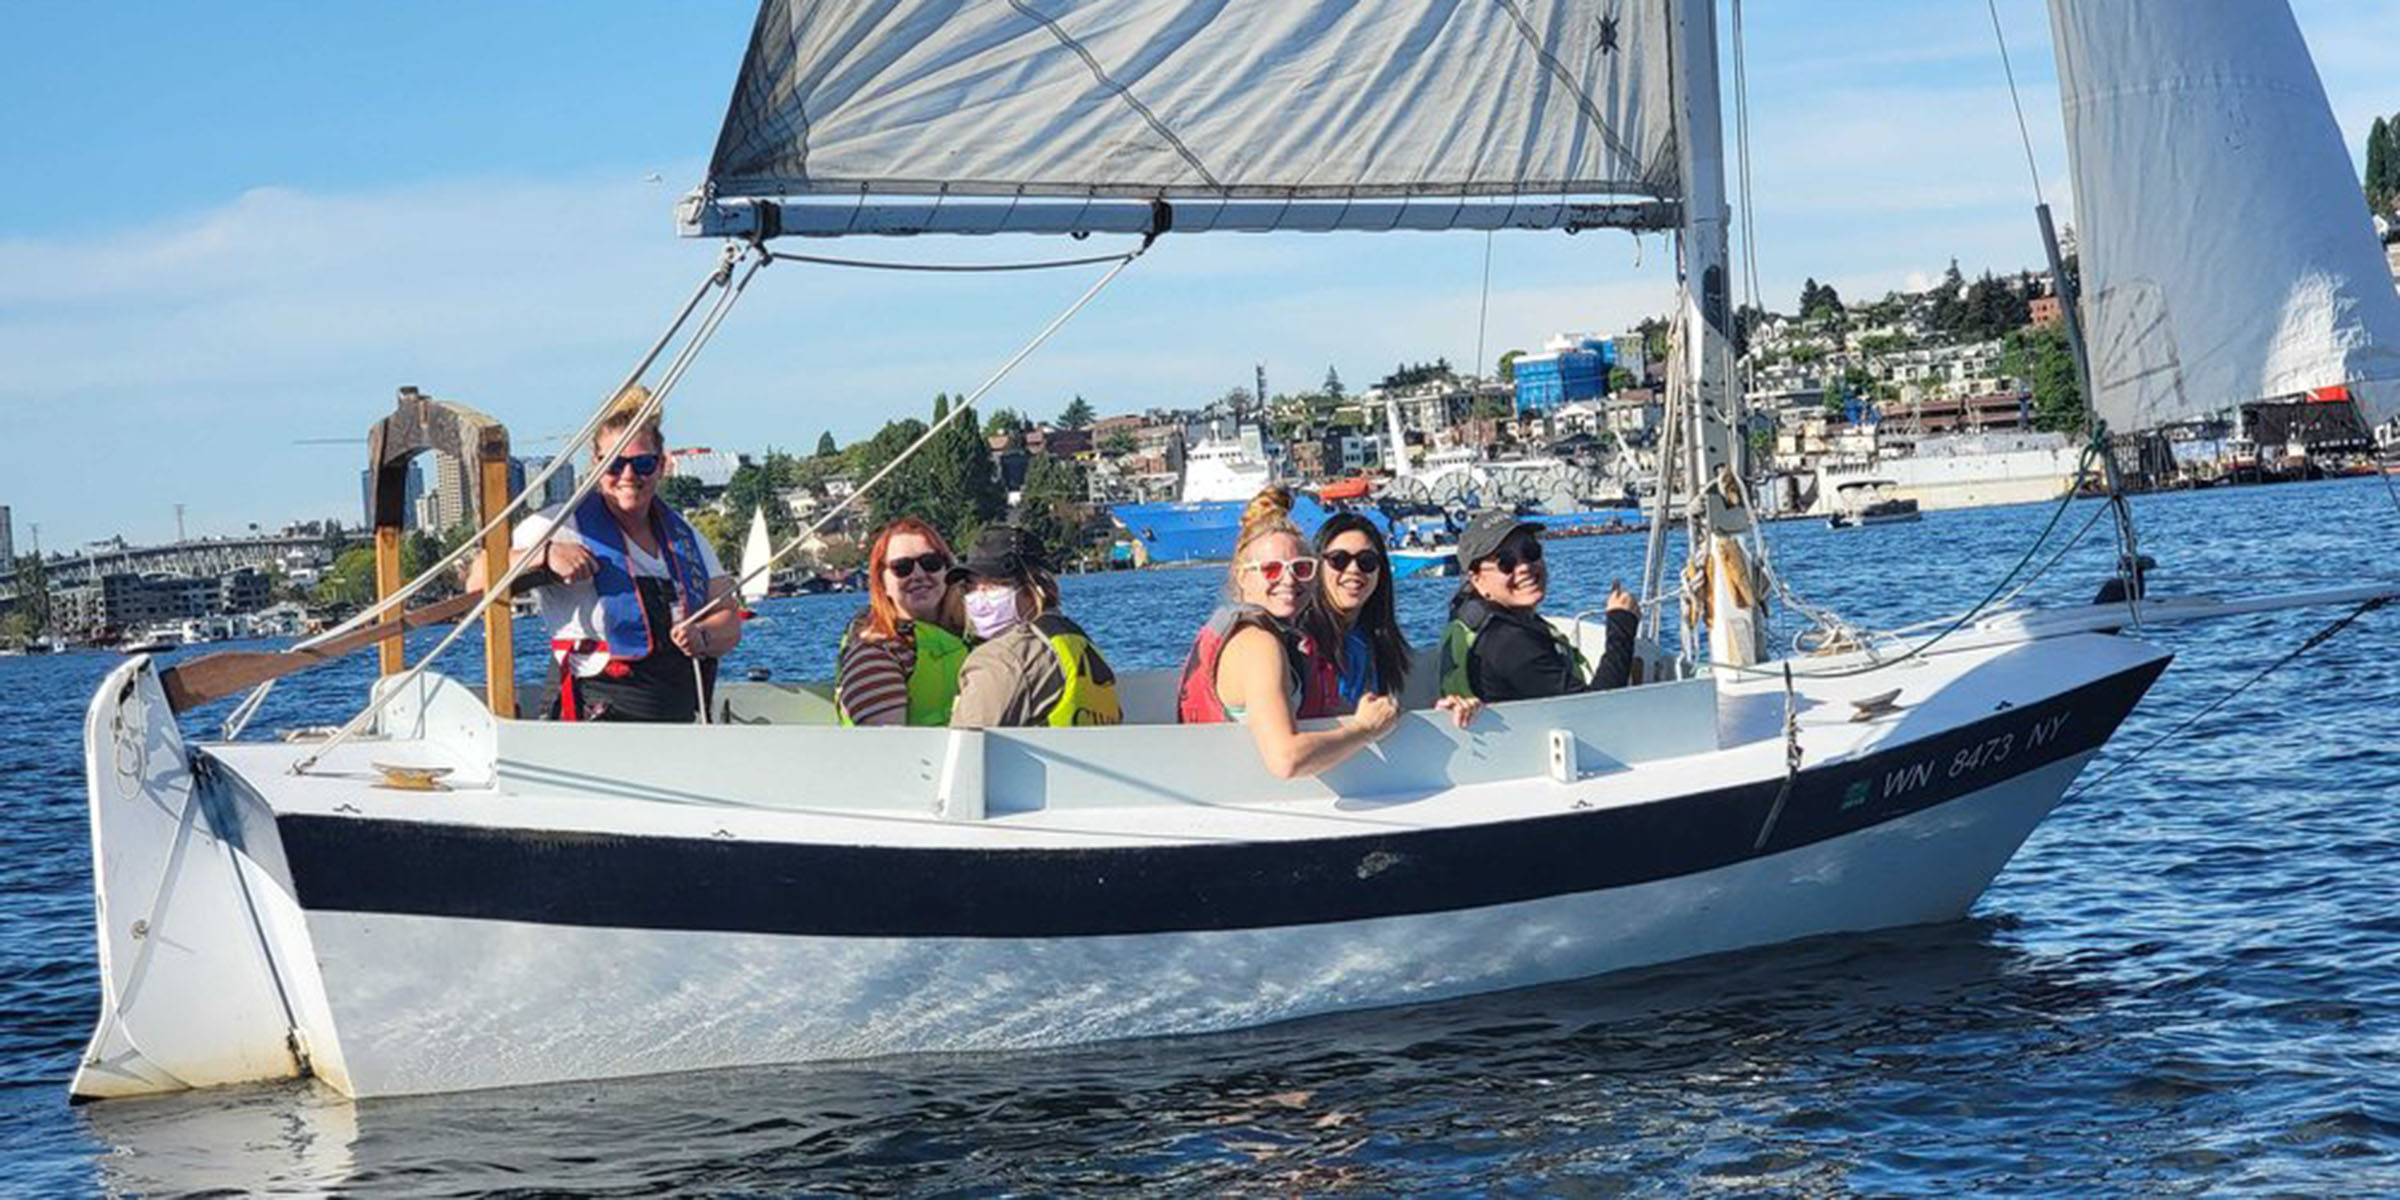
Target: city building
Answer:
[[1569, 368], [712, 468], [8, 541], [412, 493], [2044, 310], [445, 505], [555, 490]]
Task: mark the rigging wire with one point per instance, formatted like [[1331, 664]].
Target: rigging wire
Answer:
[[958, 407], [869, 264], [523, 561], [2315, 640], [1483, 311], [2024, 136]]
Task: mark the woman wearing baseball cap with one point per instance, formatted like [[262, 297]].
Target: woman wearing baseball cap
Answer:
[[1497, 646], [1032, 665]]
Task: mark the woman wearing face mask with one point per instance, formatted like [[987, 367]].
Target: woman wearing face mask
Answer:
[[1354, 615], [1252, 664], [1497, 646], [901, 656], [1031, 666]]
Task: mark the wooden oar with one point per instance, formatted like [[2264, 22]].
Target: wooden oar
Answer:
[[229, 672]]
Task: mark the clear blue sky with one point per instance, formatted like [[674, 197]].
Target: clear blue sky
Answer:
[[227, 228]]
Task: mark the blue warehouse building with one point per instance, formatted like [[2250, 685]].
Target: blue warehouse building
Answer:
[[1568, 370]]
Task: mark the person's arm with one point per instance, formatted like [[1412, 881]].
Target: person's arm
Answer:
[[992, 683], [872, 688], [1250, 673], [716, 634], [1616, 658]]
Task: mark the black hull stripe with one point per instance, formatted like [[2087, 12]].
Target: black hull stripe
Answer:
[[606, 880]]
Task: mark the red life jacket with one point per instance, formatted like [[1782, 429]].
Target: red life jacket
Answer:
[[1313, 681]]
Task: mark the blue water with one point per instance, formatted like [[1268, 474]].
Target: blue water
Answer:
[[2188, 981]]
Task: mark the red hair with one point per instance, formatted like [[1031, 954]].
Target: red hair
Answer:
[[883, 616]]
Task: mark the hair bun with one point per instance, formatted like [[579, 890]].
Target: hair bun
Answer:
[[628, 404], [1273, 503]]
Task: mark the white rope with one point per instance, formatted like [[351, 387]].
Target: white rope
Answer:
[[957, 408], [533, 487], [497, 587]]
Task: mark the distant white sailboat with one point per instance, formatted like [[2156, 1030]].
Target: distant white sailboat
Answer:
[[758, 555]]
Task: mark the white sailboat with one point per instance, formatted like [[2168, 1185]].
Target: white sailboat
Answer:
[[758, 559], [581, 901]]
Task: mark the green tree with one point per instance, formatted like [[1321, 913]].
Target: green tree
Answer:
[[1077, 414], [1619, 379], [760, 486], [32, 609], [1119, 443], [1333, 383], [1508, 366], [1004, 422], [1051, 506], [683, 493], [2039, 356], [941, 406], [1494, 408], [950, 483], [825, 446]]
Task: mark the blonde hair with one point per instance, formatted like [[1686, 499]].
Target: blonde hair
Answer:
[[621, 412], [1268, 513]]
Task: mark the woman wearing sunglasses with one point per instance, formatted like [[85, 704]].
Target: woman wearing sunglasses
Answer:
[[1497, 646], [1253, 664], [630, 570], [1353, 613], [901, 655]]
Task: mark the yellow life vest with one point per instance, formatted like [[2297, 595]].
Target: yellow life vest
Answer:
[[1090, 695], [932, 683]]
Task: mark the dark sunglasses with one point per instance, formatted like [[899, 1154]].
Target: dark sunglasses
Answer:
[[1272, 569], [931, 564], [1521, 552], [1369, 561], [643, 465]]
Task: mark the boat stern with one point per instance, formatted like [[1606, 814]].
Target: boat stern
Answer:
[[189, 994]]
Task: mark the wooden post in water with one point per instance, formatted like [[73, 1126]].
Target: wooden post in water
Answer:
[[480, 446]]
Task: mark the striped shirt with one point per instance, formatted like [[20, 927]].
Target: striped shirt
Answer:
[[873, 676]]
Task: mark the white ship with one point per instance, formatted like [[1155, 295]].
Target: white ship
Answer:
[[1961, 470], [1224, 469]]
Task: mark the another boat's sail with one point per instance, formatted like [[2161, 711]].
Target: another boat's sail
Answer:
[[1148, 100], [757, 554], [2226, 254]]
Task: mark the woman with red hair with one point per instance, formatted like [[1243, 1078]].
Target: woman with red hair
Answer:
[[900, 657]]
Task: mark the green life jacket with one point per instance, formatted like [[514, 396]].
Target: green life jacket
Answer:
[[1090, 696], [1458, 646], [932, 683]]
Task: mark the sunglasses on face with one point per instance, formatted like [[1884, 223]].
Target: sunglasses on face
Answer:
[[931, 564], [642, 465], [1524, 552], [1272, 569], [1369, 561]]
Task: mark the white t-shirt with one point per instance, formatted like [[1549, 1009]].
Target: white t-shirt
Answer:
[[571, 611]]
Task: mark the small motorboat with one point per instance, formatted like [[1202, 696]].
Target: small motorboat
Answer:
[[1864, 502]]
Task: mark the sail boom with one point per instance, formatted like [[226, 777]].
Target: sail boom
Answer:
[[766, 218]]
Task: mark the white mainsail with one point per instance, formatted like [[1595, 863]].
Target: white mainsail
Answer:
[[757, 554], [1289, 103], [2226, 253]]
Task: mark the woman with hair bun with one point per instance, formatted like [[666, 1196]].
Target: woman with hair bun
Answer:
[[1252, 664]]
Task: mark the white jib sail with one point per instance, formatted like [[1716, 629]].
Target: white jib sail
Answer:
[[2227, 254], [1292, 101], [756, 554]]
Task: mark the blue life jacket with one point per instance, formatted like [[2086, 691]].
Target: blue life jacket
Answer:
[[624, 633]]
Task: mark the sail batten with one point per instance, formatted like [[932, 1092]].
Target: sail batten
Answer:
[[1192, 101], [2225, 252]]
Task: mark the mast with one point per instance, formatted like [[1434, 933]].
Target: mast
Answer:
[[1719, 512]]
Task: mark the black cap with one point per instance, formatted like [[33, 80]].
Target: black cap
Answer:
[[1001, 552], [1485, 532]]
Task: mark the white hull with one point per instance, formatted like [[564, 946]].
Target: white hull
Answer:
[[433, 1014], [1937, 481], [585, 907]]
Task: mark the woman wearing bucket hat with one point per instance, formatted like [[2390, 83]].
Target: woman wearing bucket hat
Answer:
[[1033, 666], [1497, 646]]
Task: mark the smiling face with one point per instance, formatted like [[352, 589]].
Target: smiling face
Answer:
[[1349, 587], [1273, 555], [1516, 577], [918, 595], [628, 491]]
